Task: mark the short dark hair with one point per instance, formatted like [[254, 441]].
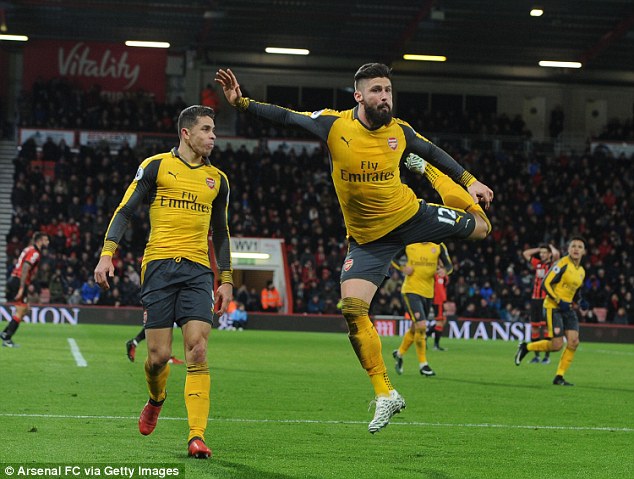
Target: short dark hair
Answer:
[[578, 238], [545, 246], [372, 70], [38, 235], [189, 116]]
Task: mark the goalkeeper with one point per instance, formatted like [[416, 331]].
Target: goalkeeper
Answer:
[[381, 214]]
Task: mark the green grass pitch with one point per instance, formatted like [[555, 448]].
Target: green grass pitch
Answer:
[[295, 405]]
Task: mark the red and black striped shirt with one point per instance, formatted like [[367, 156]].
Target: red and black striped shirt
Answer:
[[541, 269]]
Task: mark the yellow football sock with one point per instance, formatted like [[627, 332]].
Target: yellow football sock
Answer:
[[197, 384], [540, 346], [156, 382], [453, 194], [408, 339], [421, 345], [565, 361], [366, 343]]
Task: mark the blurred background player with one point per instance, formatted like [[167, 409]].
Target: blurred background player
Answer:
[[18, 283], [437, 326], [418, 291], [561, 284], [130, 348], [541, 263]]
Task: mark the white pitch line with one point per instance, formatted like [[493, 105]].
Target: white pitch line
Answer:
[[607, 351], [79, 359], [315, 421]]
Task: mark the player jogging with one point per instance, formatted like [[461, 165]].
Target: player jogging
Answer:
[[20, 279], [418, 291], [187, 196], [562, 283]]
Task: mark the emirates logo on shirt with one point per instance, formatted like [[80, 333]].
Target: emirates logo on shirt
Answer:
[[211, 183], [392, 143], [348, 264]]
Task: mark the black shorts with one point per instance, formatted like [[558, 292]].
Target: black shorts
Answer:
[[13, 286], [433, 223], [537, 310], [558, 322], [176, 291], [415, 303]]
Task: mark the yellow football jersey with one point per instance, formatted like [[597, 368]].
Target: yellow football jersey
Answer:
[[365, 165], [562, 282], [423, 258], [185, 203]]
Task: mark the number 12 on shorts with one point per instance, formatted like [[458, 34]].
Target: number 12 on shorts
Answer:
[[446, 215]]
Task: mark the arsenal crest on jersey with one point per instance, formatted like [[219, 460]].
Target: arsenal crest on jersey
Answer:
[[392, 143], [348, 264], [211, 183]]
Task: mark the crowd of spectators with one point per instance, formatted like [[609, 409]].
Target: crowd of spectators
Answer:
[[57, 103], [619, 130], [288, 195], [441, 121], [284, 195]]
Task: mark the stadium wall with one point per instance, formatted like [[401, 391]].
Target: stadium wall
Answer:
[[458, 328]]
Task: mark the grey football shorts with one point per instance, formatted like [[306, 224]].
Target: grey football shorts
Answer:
[[176, 291], [557, 322], [431, 223], [415, 303]]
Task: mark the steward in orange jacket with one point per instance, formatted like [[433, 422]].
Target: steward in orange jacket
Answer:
[[270, 298]]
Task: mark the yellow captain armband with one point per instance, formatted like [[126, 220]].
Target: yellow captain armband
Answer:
[[109, 247], [226, 277], [242, 104]]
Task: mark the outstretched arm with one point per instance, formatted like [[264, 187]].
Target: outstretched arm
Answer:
[[318, 123]]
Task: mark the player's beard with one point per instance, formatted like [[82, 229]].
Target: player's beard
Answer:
[[378, 116]]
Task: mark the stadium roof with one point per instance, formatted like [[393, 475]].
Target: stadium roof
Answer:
[[482, 38]]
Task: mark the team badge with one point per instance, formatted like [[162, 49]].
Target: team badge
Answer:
[[139, 174], [211, 183], [348, 264], [433, 250], [144, 316], [392, 143]]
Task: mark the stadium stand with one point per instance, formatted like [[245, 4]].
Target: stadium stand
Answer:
[[539, 198]]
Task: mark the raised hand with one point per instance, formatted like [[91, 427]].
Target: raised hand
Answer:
[[230, 86]]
